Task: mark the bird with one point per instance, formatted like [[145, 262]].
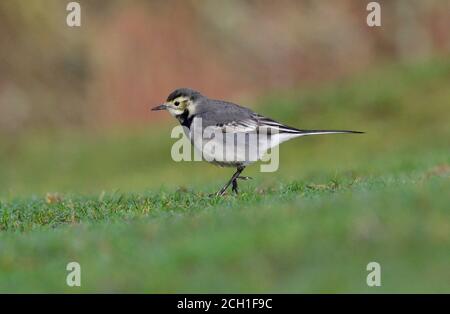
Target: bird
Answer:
[[198, 113]]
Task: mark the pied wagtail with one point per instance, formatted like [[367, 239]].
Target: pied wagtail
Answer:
[[194, 110]]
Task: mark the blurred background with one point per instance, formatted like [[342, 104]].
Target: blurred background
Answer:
[[74, 102], [85, 167]]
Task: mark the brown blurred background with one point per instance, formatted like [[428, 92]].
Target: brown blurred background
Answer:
[[129, 55]]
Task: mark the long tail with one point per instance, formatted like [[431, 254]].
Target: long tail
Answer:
[[319, 132], [282, 128]]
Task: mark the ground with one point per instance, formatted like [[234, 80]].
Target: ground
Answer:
[[137, 221]]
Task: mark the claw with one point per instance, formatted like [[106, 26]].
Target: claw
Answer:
[[233, 182]]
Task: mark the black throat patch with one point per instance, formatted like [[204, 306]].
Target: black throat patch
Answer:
[[184, 119]]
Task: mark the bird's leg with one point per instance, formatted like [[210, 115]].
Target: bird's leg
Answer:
[[232, 180], [234, 186]]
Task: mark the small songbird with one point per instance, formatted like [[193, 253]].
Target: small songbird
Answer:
[[198, 113]]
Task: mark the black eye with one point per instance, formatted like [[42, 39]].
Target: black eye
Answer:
[[176, 103]]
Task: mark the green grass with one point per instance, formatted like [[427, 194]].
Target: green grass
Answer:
[[138, 222]]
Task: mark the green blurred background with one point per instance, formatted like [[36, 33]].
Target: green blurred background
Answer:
[[74, 102], [75, 127]]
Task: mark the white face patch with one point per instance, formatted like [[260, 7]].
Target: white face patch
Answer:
[[179, 105], [175, 111], [192, 109]]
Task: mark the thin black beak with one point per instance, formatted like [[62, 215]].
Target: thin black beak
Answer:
[[160, 107]]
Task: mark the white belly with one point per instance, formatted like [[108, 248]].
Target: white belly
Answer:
[[233, 149]]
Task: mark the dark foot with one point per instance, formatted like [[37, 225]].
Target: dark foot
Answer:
[[235, 186], [233, 182]]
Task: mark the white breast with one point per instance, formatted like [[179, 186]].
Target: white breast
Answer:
[[233, 145]]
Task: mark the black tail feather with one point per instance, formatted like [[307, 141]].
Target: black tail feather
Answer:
[[318, 132]]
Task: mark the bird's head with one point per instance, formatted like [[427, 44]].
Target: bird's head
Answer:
[[180, 101]]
